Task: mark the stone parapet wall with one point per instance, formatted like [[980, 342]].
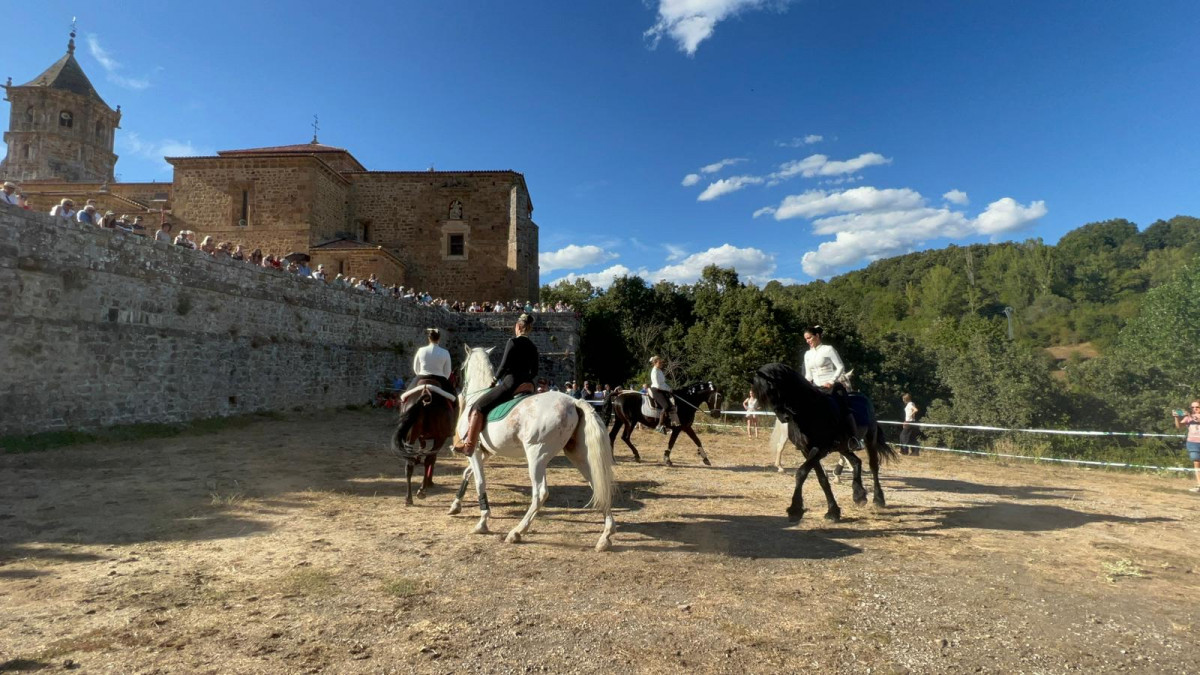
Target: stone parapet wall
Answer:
[[100, 328]]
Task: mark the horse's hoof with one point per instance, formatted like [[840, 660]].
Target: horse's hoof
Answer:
[[833, 516], [794, 516], [860, 499], [706, 462], [408, 501], [879, 502], [513, 537], [455, 509], [481, 528], [637, 460], [603, 545], [421, 493], [779, 469]]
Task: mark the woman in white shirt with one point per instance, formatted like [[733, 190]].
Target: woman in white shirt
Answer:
[[660, 391], [823, 366]]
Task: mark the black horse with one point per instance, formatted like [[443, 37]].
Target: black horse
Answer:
[[627, 408], [426, 425], [817, 425]]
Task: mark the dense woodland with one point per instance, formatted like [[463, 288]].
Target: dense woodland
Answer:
[[1105, 328]]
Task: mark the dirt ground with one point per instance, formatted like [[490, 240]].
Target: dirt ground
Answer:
[[285, 546]]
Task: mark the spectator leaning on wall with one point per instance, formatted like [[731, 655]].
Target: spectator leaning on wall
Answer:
[[8, 195]]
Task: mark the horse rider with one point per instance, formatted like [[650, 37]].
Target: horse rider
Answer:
[[823, 367], [517, 371], [660, 391], [432, 362]]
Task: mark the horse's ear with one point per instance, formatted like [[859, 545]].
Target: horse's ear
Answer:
[[467, 348], [849, 372], [489, 350]]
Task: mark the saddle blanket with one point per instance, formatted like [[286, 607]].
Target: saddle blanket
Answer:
[[863, 411], [501, 411], [648, 409]]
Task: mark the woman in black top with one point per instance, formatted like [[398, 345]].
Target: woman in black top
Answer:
[[518, 366]]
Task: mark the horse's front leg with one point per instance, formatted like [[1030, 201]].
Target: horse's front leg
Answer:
[[699, 446], [834, 513], [860, 493], [408, 472]]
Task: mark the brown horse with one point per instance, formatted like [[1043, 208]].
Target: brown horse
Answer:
[[427, 417], [627, 408]]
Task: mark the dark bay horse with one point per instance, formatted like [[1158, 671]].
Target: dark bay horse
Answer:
[[427, 417], [817, 426], [627, 409]]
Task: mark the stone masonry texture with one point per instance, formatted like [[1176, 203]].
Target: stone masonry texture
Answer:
[[101, 328]]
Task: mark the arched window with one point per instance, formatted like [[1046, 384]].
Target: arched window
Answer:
[[29, 118], [28, 152], [66, 119], [99, 131]]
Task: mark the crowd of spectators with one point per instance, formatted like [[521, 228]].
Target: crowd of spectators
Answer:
[[296, 263]]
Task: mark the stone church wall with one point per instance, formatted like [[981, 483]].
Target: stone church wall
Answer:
[[101, 328]]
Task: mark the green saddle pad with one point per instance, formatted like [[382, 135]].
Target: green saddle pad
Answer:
[[501, 411]]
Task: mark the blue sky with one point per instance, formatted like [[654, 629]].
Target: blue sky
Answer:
[[834, 132]]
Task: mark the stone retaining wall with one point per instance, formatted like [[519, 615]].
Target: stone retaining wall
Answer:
[[98, 327]]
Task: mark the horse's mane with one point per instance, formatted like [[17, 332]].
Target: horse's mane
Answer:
[[783, 389], [478, 370]]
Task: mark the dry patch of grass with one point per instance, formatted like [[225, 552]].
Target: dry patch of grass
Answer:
[[1120, 568], [403, 587], [309, 582]]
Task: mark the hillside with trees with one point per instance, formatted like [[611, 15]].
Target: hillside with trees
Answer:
[[1104, 328]]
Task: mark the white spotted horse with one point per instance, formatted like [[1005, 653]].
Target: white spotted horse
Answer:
[[631, 408], [426, 425], [536, 428], [816, 424]]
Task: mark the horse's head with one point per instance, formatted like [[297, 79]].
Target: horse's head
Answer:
[[476, 368], [847, 379], [778, 388]]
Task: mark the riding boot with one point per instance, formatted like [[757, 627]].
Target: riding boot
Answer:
[[475, 424], [674, 413]]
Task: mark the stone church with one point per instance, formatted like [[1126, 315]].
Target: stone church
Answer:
[[461, 235]]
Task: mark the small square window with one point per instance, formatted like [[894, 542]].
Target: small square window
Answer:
[[456, 246]]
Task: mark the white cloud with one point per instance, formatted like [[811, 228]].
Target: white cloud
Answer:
[[572, 257], [691, 179], [751, 264], [1006, 215], [820, 165], [132, 143], [869, 223], [717, 166], [957, 197], [819, 202], [801, 141], [690, 22], [674, 252], [727, 185], [603, 278], [112, 66]]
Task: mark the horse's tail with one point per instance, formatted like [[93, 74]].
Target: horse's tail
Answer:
[[408, 418], [882, 450], [591, 440]]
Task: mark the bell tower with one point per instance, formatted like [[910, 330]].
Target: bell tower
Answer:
[[59, 128]]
